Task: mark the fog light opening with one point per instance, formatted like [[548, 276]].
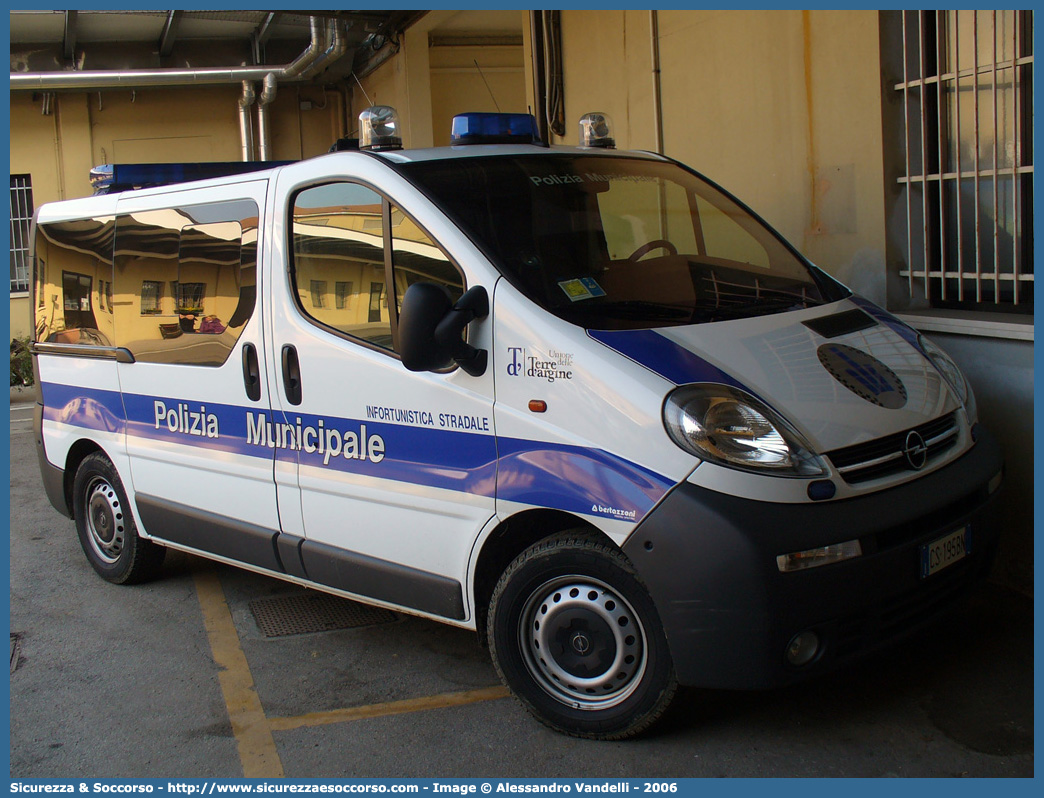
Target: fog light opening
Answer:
[[802, 648]]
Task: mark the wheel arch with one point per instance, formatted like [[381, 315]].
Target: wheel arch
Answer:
[[509, 539], [78, 452]]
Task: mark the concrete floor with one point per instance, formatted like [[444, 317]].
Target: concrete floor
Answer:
[[112, 681]]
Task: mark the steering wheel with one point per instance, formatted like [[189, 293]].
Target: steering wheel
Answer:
[[659, 243]]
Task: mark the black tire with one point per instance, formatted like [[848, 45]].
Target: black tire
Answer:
[[106, 526], [574, 634]]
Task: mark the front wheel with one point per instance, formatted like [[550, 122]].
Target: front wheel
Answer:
[[106, 526], [576, 636]]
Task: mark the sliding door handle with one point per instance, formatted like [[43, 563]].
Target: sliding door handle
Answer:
[[291, 374], [251, 373]]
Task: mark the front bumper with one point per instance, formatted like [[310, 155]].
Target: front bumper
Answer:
[[709, 561]]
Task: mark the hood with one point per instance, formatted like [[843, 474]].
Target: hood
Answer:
[[842, 374]]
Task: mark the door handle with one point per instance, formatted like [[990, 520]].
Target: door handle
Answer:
[[291, 374], [251, 373]]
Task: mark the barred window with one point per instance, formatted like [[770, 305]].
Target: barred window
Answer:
[[318, 290], [345, 290], [188, 297], [151, 297], [21, 219], [965, 203]]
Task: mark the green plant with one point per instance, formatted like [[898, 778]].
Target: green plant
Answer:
[[21, 361]]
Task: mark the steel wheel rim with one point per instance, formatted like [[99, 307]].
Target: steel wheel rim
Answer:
[[106, 528], [583, 643]]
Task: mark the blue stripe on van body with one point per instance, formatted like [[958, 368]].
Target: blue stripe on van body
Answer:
[[90, 408], [557, 476], [661, 355], [231, 422], [466, 461], [577, 479]]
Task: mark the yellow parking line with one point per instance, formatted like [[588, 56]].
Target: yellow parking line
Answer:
[[252, 729], [389, 708], [257, 750]]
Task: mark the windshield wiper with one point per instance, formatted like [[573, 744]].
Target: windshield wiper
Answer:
[[759, 306], [639, 309]]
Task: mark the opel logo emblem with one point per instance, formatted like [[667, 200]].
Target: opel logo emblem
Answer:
[[581, 645], [915, 450]]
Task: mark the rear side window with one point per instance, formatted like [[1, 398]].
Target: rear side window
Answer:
[[73, 278], [347, 239], [184, 282]]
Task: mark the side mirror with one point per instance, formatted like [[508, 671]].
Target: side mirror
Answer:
[[431, 328]]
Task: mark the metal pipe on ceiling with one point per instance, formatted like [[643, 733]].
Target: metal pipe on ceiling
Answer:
[[264, 135], [246, 128], [138, 78], [337, 46]]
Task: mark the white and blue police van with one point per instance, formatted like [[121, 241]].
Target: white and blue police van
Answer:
[[580, 400]]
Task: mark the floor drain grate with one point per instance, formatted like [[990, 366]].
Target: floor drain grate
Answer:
[[314, 612]]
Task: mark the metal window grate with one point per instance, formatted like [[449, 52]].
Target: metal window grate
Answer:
[[21, 219], [967, 114]]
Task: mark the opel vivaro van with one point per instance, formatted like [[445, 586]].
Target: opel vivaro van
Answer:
[[580, 400]]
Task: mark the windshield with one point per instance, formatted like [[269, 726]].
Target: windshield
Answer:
[[620, 243]]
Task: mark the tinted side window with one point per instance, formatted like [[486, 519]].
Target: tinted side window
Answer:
[[344, 237], [338, 260], [185, 281], [73, 274], [416, 258]]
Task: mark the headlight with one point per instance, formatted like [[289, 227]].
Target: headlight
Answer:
[[731, 427], [952, 375]]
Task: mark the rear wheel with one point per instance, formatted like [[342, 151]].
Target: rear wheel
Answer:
[[106, 526], [576, 636]]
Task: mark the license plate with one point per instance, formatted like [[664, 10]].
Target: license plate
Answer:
[[945, 551]]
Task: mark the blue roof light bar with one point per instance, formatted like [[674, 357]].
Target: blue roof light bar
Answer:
[[110, 178], [494, 128]]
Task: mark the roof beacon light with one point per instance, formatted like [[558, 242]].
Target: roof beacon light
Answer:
[[493, 128], [379, 129], [596, 130]]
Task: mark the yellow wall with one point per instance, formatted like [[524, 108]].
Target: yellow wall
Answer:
[[429, 85], [441, 82], [783, 108], [380, 87], [608, 68], [457, 85]]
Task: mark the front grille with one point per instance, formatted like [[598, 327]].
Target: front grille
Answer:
[[883, 457], [900, 615]]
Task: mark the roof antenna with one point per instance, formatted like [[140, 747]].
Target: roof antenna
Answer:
[[487, 84], [367, 96]]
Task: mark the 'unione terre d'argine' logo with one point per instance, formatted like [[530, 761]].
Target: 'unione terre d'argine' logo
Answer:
[[863, 375]]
